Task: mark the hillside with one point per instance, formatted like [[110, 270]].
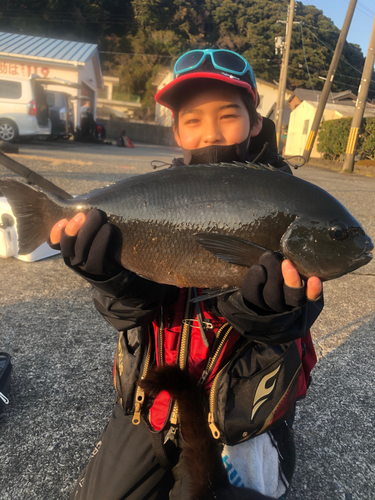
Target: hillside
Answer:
[[138, 37]]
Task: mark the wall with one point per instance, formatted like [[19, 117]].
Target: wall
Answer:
[[298, 133], [163, 115], [140, 132], [268, 94]]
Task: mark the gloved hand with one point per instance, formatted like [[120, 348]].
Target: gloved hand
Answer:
[[264, 287], [90, 249]]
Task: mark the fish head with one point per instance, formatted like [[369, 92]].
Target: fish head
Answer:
[[327, 249]]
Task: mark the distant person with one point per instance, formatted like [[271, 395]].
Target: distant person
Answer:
[[88, 124], [123, 140], [100, 132]]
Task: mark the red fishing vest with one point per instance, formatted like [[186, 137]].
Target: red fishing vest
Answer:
[[178, 339]]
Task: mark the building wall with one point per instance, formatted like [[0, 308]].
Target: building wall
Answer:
[[87, 79], [300, 123], [163, 115], [140, 132], [268, 98]]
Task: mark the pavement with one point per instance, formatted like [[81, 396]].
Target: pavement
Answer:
[[62, 351]]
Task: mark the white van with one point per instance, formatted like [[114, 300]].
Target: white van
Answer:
[[23, 109]]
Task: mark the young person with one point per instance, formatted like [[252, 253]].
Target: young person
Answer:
[[213, 97]]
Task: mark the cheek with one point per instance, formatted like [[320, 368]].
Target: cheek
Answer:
[[190, 138], [237, 133]]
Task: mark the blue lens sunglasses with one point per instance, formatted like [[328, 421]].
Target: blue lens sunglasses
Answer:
[[222, 60]]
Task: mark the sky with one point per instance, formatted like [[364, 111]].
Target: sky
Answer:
[[361, 25]]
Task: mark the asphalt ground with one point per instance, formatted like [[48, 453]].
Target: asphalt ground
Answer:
[[62, 351]]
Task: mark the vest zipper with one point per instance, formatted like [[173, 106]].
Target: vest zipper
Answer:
[[140, 393], [182, 353], [211, 399], [211, 423], [161, 337], [221, 337]]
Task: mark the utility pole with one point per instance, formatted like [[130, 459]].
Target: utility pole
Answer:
[[328, 83], [283, 74], [360, 104]]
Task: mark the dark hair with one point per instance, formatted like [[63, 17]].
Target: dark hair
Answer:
[[245, 96]]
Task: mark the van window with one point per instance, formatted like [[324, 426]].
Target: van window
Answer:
[[10, 90], [50, 100]]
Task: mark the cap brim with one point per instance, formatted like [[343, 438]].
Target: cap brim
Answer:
[[170, 95]]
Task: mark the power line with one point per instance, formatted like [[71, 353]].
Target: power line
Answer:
[[304, 55], [343, 60]]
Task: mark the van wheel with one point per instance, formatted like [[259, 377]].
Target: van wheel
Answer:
[[8, 131]]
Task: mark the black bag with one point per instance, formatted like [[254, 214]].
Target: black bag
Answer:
[[254, 392], [5, 370]]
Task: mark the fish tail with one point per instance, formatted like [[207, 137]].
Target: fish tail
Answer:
[[32, 209]]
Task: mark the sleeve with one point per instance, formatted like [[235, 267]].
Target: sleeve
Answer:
[[270, 328], [126, 300]]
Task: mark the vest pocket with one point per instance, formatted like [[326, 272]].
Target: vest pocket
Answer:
[[133, 357], [254, 392]]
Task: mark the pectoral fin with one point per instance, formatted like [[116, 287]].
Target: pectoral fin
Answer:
[[231, 249]]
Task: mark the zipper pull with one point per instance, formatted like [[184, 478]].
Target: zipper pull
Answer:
[[215, 431], [171, 434], [203, 378], [4, 398], [140, 397]]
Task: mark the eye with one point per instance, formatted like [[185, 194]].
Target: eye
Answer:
[[339, 232]]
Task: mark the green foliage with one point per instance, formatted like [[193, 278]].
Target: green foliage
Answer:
[[152, 33], [367, 139], [333, 137]]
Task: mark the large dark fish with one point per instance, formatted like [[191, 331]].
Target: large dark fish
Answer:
[[204, 225]]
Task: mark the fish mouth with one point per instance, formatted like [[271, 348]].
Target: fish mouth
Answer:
[[364, 258]]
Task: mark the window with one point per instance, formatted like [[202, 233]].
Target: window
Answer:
[[10, 90], [305, 127]]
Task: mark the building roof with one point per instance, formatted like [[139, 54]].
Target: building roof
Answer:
[[269, 84], [314, 95], [35, 47], [344, 109]]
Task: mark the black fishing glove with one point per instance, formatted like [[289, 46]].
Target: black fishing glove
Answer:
[[90, 251], [264, 290]]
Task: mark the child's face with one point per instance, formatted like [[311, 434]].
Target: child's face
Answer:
[[215, 116]]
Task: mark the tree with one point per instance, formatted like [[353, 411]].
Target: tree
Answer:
[[154, 33]]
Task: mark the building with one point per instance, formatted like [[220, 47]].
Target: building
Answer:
[[301, 119], [163, 115], [268, 98], [74, 62], [346, 97]]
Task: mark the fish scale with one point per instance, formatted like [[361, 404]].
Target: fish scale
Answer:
[[205, 225]]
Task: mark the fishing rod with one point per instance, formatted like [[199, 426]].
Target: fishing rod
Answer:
[[31, 176]]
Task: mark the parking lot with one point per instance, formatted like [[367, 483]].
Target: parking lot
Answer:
[[62, 350]]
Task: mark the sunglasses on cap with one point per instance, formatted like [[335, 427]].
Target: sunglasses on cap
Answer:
[[222, 60]]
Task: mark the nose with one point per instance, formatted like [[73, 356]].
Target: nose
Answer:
[[212, 133]]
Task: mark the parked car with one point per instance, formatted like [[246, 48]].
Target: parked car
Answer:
[[23, 109], [61, 113]]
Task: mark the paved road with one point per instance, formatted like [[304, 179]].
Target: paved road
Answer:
[[62, 352]]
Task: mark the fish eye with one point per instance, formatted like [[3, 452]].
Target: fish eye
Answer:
[[339, 232]]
